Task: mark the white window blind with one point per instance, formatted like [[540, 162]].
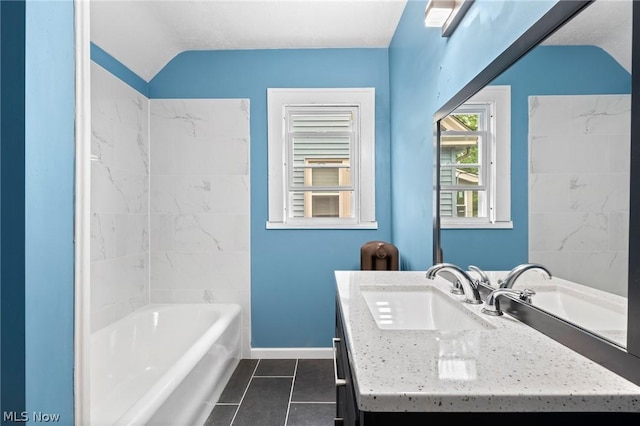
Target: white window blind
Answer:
[[321, 158], [320, 148]]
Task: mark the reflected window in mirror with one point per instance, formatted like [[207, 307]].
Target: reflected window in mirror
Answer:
[[475, 148]]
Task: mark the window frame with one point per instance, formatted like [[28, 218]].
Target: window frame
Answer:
[[498, 146], [484, 164], [362, 162]]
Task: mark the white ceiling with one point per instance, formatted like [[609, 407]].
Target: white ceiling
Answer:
[[146, 34], [604, 23]]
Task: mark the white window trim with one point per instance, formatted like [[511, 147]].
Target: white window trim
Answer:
[[364, 98], [500, 97]]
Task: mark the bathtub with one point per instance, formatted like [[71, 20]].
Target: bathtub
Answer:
[[163, 364]]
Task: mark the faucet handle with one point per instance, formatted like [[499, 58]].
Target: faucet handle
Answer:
[[457, 288], [484, 278], [526, 294]]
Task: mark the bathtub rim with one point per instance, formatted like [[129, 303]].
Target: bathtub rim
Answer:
[[141, 410]]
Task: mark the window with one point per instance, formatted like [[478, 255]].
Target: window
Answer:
[[475, 146], [321, 158]]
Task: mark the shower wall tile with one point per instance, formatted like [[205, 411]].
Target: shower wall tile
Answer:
[[194, 232], [103, 236], [118, 191], [230, 194], [579, 150], [181, 194], [181, 270], [119, 199], [132, 234], [235, 161], [170, 223], [231, 232], [117, 280], [200, 203]]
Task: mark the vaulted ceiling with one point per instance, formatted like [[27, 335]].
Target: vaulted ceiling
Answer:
[[145, 34], [606, 24]]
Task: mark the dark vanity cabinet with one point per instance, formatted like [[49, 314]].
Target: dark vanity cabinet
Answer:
[[346, 405]]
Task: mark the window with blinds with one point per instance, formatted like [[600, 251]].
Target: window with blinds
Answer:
[[320, 148]]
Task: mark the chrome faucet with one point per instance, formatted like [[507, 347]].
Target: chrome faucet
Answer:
[[512, 276], [484, 278], [492, 304], [469, 286]]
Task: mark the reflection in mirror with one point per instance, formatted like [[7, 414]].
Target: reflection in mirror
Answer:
[[567, 175]]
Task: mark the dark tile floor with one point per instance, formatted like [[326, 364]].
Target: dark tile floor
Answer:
[[277, 392]]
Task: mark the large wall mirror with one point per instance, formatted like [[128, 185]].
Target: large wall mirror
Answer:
[[558, 193]]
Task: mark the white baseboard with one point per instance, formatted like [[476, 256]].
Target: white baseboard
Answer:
[[291, 353]]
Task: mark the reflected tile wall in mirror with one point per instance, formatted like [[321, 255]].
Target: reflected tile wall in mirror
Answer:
[[579, 187]]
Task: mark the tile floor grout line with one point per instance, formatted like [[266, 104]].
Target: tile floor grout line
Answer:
[[312, 402], [233, 419], [273, 377], [293, 382]]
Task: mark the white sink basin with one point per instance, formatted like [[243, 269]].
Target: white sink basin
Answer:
[[580, 308], [419, 308]]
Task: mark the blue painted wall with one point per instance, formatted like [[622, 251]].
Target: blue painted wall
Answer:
[[37, 153], [425, 71], [293, 287], [49, 207], [12, 215], [118, 69], [547, 70]]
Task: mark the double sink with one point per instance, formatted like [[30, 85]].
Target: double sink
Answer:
[[427, 307]]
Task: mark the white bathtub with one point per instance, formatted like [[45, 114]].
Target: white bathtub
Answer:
[[163, 364]]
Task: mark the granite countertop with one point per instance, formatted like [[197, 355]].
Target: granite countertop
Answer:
[[507, 366]]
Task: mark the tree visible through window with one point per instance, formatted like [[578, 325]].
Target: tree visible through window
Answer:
[[475, 146], [463, 159]]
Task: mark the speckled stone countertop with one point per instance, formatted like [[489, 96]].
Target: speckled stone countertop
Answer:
[[508, 366]]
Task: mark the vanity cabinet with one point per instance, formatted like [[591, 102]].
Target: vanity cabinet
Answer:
[[346, 405]]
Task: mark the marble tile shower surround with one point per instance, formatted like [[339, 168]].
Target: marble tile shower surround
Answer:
[[169, 202], [579, 187], [199, 203], [119, 199]]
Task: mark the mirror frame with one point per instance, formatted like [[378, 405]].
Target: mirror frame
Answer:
[[620, 360]]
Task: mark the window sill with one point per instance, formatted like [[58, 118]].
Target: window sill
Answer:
[[281, 225], [471, 225]]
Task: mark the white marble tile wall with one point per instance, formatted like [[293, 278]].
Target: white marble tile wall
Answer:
[[200, 203], [579, 148], [119, 199]]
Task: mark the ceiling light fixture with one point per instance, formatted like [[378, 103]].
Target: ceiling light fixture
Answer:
[[446, 14], [437, 12]]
